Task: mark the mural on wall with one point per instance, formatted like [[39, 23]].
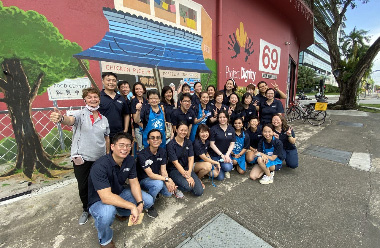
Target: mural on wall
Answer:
[[240, 40], [29, 66]]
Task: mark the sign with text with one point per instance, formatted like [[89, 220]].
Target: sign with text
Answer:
[[269, 60], [68, 89], [126, 69], [179, 74]]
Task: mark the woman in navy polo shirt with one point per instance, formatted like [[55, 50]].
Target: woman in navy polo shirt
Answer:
[[241, 146], [249, 107], [167, 101], [255, 133], [286, 135], [269, 156], [196, 97], [222, 142], [203, 163], [270, 107], [202, 111], [152, 117], [138, 102], [211, 94], [216, 108], [235, 109], [181, 161], [229, 88]]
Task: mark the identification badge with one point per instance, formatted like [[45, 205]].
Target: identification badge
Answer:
[[270, 153]]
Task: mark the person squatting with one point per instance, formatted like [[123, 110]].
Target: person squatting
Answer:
[[164, 146]]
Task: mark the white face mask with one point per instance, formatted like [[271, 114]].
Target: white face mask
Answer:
[[92, 108]]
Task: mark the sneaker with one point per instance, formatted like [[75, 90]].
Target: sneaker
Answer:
[[151, 212], [266, 180], [272, 174], [227, 175], [178, 194], [83, 218]]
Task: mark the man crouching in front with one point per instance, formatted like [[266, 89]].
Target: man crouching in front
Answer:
[[108, 196]]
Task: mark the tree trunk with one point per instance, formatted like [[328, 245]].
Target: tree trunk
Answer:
[[19, 97], [348, 93]]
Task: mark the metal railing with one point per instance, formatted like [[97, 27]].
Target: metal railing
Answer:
[[51, 138]]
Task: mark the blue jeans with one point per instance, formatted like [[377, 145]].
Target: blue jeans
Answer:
[[104, 214], [153, 187], [291, 158], [183, 185], [224, 167]]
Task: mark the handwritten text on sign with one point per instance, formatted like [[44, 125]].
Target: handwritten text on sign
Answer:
[[269, 57], [68, 89]]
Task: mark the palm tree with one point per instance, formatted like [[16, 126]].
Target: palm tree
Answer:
[[353, 43]]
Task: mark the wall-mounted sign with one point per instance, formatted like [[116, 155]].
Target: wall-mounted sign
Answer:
[[269, 57], [179, 74], [126, 69], [269, 76], [68, 89]]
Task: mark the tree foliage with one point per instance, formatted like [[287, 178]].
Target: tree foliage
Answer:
[[348, 72], [30, 37], [306, 77]]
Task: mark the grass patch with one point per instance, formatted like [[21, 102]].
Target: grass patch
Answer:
[[5, 184], [365, 109], [64, 163], [370, 105]]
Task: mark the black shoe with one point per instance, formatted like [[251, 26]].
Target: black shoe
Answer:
[[151, 212]]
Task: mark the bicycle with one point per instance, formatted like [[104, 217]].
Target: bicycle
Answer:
[[298, 111]]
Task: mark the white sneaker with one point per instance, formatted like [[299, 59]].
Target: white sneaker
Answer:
[[227, 175], [178, 194], [266, 180], [272, 173]]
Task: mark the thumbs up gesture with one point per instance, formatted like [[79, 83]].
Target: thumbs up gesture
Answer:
[[55, 116]]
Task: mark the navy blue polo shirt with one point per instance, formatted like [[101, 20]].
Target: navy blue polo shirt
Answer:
[[178, 116], [277, 145], [195, 100], [267, 111], [248, 113], [236, 113], [222, 139], [134, 102], [226, 99], [200, 148], [181, 153], [168, 109], [283, 137], [255, 137], [144, 114], [147, 159], [106, 173], [196, 109], [261, 98], [115, 110]]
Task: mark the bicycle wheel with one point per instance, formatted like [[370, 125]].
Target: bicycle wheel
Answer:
[[291, 114], [316, 118]]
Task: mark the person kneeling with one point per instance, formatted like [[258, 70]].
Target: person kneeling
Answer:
[[151, 169], [107, 194], [268, 159]]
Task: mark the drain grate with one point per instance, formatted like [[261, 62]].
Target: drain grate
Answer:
[[328, 153], [350, 124], [222, 231]]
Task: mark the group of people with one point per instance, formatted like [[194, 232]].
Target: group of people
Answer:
[[179, 142]]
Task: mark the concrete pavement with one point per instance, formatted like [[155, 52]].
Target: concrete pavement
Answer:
[[320, 204]]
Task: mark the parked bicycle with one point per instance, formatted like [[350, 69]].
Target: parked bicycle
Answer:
[[298, 111]]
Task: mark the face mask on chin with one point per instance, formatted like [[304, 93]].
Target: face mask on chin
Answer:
[[92, 108]]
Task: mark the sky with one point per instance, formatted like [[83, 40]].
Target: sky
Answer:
[[366, 17]]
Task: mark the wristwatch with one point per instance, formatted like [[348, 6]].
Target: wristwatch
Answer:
[[140, 202], [166, 179]]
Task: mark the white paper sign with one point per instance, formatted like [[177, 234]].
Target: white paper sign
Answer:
[[68, 89], [269, 57]]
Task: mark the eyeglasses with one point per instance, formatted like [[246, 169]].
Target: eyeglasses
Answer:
[[122, 146], [153, 98], [155, 137], [186, 100]]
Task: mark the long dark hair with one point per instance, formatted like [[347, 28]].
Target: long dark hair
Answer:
[[239, 106], [163, 92], [233, 81], [202, 127]]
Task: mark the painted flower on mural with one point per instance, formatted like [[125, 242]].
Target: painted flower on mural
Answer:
[[238, 40]]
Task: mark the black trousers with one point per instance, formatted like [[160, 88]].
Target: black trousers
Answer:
[[82, 173]]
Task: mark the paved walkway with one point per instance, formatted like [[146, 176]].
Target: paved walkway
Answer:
[[323, 203]]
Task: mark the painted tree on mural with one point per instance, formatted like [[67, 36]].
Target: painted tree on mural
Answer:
[[33, 56], [348, 72]]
